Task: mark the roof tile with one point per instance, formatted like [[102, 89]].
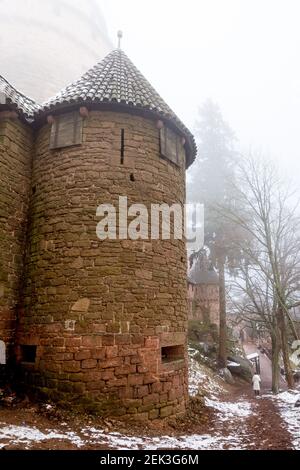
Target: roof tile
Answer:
[[22, 103], [116, 80]]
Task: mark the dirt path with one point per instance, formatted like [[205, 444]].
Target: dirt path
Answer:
[[263, 428], [219, 417], [265, 367], [235, 421]]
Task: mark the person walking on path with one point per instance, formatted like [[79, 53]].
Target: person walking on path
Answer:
[[256, 380]]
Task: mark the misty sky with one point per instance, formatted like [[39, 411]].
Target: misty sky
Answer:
[[244, 54]]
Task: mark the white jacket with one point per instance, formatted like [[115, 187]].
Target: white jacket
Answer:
[[256, 382]]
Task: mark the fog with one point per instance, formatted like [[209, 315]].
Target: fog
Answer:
[[244, 54]]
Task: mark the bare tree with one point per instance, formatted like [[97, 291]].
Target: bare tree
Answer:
[[272, 221], [253, 301]]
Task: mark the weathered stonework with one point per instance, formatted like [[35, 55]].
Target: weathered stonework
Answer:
[[99, 312], [15, 171], [100, 325]]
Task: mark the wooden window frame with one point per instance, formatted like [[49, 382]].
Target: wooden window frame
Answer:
[[165, 144], [66, 131]]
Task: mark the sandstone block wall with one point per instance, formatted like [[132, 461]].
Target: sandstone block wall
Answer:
[[15, 171], [105, 316]]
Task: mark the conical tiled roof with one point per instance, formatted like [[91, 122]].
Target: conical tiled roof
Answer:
[[17, 101], [116, 80]]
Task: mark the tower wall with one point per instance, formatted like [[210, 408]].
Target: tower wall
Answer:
[[15, 169], [45, 45], [108, 318]]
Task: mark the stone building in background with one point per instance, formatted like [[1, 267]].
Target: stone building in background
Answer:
[[203, 292], [95, 324], [46, 44]]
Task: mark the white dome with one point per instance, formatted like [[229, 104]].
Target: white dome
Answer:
[[46, 44]]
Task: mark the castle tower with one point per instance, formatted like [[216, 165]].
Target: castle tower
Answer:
[[104, 323], [44, 45], [16, 145]]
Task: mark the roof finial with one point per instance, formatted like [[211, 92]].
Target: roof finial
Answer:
[[120, 35]]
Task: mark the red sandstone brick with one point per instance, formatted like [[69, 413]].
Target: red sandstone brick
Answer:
[[143, 391], [154, 414], [91, 341], [126, 392], [98, 353], [151, 399], [152, 343], [108, 340], [125, 370], [88, 363], [166, 411], [173, 394], [136, 379], [122, 339], [92, 375], [117, 382], [82, 355], [107, 374], [114, 362], [176, 381], [71, 366], [127, 351], [138, 339], [111, 351], [163, 398], [99, 385], [135, 359], [156, 387], [167, 386], [149, 379]]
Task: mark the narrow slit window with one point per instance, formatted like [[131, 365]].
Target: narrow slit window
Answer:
[[172, 353], [66, 130], [122, 146], [28, 353]]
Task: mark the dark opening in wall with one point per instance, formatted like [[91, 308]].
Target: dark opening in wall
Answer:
[[33, 189], [28, 353], [172, 353], [122, 146], [132, 178]]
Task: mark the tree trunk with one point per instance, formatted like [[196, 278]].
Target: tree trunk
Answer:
[[222, 359], [292, 326], [275, 362], [285, 349]]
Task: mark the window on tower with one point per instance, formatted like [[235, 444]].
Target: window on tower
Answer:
[[171, 147], [66, 130]]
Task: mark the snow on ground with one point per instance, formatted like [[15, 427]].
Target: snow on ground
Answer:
[[290, 414], [26, 437], [202, 377], [229, 410], [194, 441]]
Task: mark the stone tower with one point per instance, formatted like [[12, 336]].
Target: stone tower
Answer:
[[103, 323], [16, 147], [44, 45]]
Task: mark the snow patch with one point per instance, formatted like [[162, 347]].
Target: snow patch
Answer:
[[199, 378], [228, 410], [27, 435], [193, 442], [290, 414]]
